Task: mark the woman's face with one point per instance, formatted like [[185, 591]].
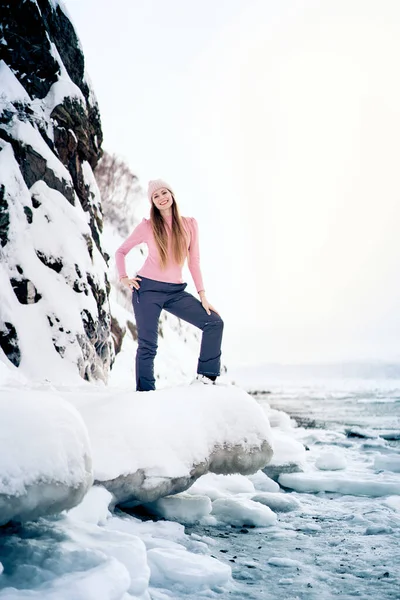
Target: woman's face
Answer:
[[162, 199]]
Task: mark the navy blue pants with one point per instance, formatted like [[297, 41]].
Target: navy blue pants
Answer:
[[148, 302]]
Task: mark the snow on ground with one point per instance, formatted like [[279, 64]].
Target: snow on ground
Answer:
[[243, 535]]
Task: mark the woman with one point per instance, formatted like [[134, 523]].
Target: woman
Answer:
[[158, 285]]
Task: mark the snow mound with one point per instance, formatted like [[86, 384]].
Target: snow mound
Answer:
[[45, 463], [149, 445], [242, 511]]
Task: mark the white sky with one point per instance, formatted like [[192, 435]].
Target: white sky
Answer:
[[278, 125]]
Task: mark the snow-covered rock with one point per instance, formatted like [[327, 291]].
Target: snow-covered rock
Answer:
[[45, 460], [54, 320], [149, 445], [289, 455]]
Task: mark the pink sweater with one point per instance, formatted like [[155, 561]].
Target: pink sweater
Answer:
[[152, 267]]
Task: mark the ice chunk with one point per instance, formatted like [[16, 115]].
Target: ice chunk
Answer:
[[109, 580], [242, 511], [263, 483], [278, 561], [392, 502], [94, 506], [219, 486], [360, 484], [185, 508], [289, 455], [331, 461], [277, 502], [189, 571], [387, 463]]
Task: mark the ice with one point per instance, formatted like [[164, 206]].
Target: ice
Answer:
[[185, 508], [128, 550], [188, 571], [277, 561], [289, 455], [45, 459], [361, 485], [331, 461], [263, 483], [242, 511], [94, 507], [387, 463], [108, 581], [392, 502], [279, 502], [219, 486]]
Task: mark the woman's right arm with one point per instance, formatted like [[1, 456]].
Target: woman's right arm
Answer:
[[137, 236]]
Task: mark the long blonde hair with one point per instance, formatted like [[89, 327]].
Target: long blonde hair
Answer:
[[179, 234]]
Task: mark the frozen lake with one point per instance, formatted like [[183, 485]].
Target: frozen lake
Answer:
[[335, 546]]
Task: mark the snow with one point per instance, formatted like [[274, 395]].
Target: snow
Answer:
[[40, 361], [45, 462], [11, 89], [242, 511], [142, 442]]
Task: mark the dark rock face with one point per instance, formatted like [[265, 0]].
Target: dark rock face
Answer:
[[50, 212]]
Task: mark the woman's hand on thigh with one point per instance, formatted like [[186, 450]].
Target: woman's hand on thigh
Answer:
[[207, 306], [131, 283]]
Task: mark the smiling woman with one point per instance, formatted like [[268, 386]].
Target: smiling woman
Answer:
[[159, 285]]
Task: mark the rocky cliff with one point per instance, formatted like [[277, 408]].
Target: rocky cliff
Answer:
[[54, 309]]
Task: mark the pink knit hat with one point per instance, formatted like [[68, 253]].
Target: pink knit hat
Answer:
[[155, 185]]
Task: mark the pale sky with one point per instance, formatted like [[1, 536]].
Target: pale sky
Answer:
[[277, 124]]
